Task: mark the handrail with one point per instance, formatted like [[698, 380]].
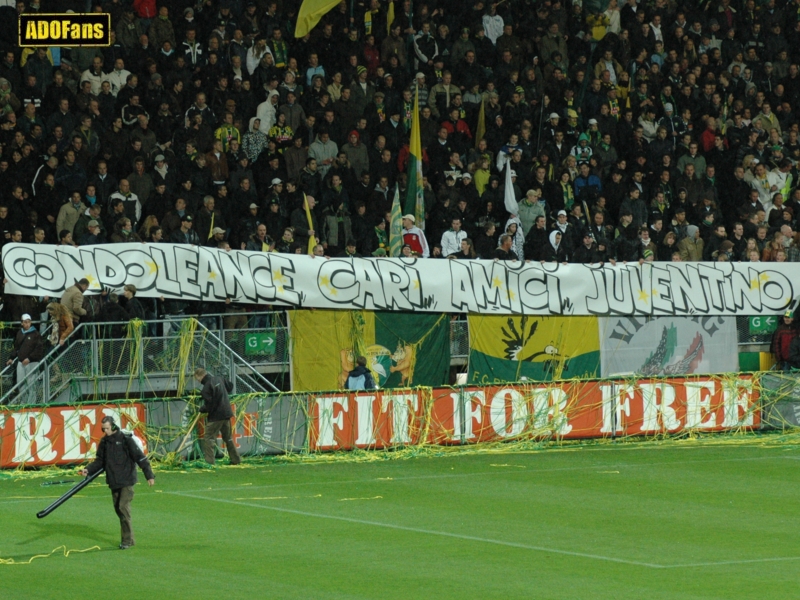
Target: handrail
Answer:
[[4, 400], [94, 330], [13, 364], [264, 380]]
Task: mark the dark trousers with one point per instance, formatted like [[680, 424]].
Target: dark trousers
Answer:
[[122, 506], [213, 428]]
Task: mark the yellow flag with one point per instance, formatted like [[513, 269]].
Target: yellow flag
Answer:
[[312, 238], [389, 18], [311, 11], [480, 129], [325, 344]]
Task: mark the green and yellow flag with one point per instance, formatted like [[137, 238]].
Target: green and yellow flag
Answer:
[[325, 343], [396, 226], [311, 11], [509, 348], [415, 197]]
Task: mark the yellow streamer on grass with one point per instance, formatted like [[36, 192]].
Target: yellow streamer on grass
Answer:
[[11, 561]]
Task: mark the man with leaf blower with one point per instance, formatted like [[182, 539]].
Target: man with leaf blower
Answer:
[[118, 453]]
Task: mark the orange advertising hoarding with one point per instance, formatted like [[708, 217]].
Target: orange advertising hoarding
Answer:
[[560, 410], [58, 435]]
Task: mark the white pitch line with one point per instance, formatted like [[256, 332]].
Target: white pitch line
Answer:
[[473, 538], [459, 536], [731, 562]]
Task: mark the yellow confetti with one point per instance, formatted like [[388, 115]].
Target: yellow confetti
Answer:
[[266, 498], [385, 478], [347, 499]]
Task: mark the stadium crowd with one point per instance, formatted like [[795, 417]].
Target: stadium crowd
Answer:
[[650, 130]]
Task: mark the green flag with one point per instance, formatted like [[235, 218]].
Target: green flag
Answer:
[[311, 11], [415, 349], [415, 198], [396, 226]]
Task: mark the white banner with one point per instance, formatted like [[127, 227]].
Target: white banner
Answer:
[[667, 346], [479, 286]]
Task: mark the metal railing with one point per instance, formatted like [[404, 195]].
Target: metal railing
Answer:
[[96, 363]]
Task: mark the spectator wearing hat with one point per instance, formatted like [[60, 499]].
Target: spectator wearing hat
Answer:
[[185, 234], [350, 250], [92, 213], [421, 90], [782, 340], [356, 152], [691, 247], [94, 234], [208, 219], [361, 90], [28, 350], [414, 237], [217, 237]]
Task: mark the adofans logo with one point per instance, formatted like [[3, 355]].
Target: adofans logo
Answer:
[[66, 30]]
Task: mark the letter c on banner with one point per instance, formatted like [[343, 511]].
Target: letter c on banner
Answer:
[[533, 289], [19, 264], [337, 281]]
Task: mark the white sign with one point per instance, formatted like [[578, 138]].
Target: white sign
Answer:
[[479, 286], [667, 346]]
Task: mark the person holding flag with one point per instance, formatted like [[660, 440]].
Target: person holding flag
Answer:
[[304, 222]]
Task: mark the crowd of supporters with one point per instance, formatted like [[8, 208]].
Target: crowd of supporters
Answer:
[[651, 130]]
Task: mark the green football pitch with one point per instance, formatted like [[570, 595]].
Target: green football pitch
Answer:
[[673, 521]]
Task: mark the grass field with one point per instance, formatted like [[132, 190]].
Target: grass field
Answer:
[[605, 522]]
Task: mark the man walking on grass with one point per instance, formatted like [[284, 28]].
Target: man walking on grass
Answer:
[[118, 453], [217, 405]]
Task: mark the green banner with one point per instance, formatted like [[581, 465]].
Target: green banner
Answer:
[[410, 349], [506, 349], [402, 349]]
